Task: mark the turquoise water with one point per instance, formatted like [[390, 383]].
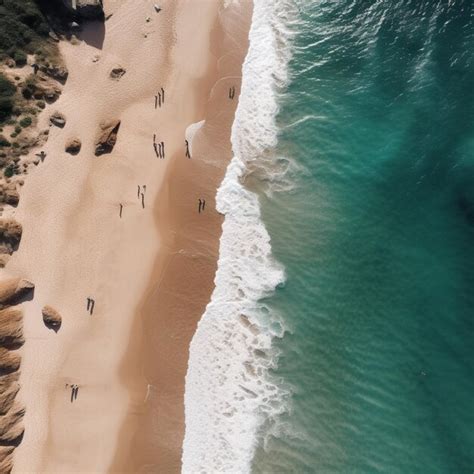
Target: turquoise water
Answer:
[[377, 239]]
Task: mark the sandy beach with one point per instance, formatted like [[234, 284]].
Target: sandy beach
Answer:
[[126, 230]]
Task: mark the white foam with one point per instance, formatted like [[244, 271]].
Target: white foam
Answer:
[[229, 393]]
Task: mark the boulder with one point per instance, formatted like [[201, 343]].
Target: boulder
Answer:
[[73, 146], [51, 318], [58, 73], [10, 235], [117, 73], [58, 120], [14, 290], [87, 9], [107, 137]]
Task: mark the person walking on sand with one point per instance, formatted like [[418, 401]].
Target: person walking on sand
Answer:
[[121, 208], [72, 392], [88, 303], [144, 188], [92, 306], [187, 149], [156, 101], [163, 94], [138, 192], [162, 145], [76, 391], [203, 204], [199, 207], [143, 201]]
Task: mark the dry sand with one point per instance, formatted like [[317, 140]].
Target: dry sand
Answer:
[[150, 272]]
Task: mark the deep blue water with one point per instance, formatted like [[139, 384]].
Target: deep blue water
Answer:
[[377, 238]]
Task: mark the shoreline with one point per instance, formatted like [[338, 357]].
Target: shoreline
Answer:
[[169, 314], [151, 270]]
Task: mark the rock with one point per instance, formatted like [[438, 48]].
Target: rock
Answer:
[[11, 328], [58, 73], [9, 362], [7, 397], [58, 120], [73, 146], [11, 197], [11, 427], [4, 257], [87, 9], [6, 459], [107, 138], [117, 73], [51, 318], [51, 95], [10, 234], [157, 8], [14, 290]]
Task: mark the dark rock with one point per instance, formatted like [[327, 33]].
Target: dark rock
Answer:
[[117, 73], [58, 120], [73, 146], [87, 9], [107, 137]]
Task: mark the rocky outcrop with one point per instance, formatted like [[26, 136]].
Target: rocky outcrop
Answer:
[[73, 146], [87, 9], [10, 235], [14, 291], [11, 328], [9, 194], [117, 73], [9, 362], [58, 120], [107, 138], [59, 73], [51, 318]]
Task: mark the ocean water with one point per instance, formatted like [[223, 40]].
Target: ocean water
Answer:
[[340, 335]]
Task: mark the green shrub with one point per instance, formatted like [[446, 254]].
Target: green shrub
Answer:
[[15, 145], [41, 104], [7, 91], [18, 129], [26, 122], [9, 171], [4, 142], [20, 58], [13, 135]]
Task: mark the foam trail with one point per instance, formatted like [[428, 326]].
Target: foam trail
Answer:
[[229, 393]]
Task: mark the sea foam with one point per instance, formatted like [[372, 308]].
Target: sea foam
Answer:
[[229, 393]]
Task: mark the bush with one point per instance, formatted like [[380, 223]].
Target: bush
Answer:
[[20, 58], [26, 122], [7, 91], [9, 171], [15, 145], [17, 129], [41, 104], [4, 142], [13, 135]]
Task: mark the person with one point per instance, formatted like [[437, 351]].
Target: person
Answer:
[[121, 208], [92, 306], [143, 201], [203, 204], [199, 207], [187, 149]]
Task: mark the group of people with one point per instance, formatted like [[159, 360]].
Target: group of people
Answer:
[[90, 305], [160, 98], [74, 391], [202, 205], [159, 148]]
